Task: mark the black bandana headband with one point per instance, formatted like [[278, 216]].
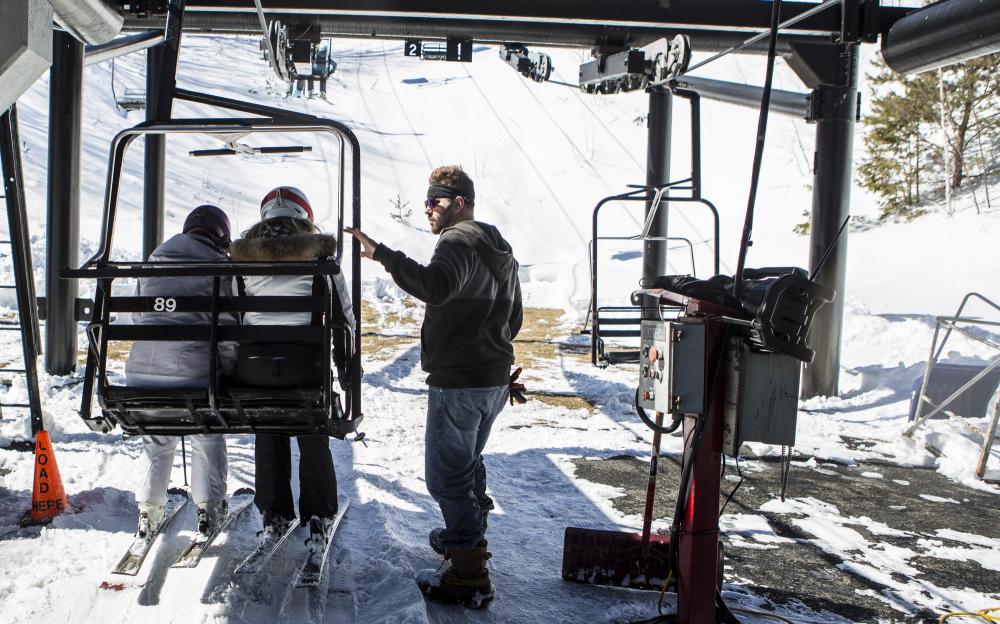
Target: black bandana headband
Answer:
[[439, 190]]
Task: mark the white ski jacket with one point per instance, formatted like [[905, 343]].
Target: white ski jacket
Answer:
[[287, 248]]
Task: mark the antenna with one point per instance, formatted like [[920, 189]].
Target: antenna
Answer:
[[829, 250]]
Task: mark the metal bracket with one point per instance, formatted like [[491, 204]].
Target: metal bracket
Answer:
[[859, 21], [99, 424], [829, 102], [83, 309]]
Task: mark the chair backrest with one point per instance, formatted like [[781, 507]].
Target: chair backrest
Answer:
[[219, 407]]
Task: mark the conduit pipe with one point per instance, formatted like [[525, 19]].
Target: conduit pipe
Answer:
[[90, 21], [942, 34], [122, 45], [786, 102]]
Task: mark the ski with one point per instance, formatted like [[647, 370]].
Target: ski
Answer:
[[261, 555], [311, 571], [132, 560], [192, 555]]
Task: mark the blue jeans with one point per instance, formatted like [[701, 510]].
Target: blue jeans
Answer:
[[458, 424]]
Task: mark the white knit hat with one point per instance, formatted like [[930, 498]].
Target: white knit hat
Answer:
[[285, 201]]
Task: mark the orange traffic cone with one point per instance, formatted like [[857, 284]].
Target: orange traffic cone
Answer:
[[48, 498]]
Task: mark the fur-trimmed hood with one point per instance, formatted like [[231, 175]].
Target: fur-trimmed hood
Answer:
[[294, 247]]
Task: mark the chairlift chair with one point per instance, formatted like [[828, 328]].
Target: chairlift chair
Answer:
[[131, 98], [220, 407], [624, 321]]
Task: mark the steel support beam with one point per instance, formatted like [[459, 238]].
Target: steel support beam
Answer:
[[835, 104], [123, 45], [24, 280], [942, 34], [161, 82], [785, 102], [63, 213], [721, 14], [531, 33], [154, 175], [654, 253], [717, 15]]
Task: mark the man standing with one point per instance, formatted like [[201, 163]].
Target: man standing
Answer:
[[473, 313]]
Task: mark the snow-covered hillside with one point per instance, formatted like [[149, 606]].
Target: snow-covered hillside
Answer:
[[542, 156]]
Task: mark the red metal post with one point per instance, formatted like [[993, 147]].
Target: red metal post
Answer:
[[698, 542]]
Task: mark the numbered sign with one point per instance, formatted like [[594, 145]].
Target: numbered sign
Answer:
[[164, 304], [411, 47], [459, 49]]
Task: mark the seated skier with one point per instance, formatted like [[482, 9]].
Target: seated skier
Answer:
[[286, 232], [166, 364]]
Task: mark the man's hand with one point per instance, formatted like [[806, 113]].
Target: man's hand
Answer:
[[367, 244], [516, 389]]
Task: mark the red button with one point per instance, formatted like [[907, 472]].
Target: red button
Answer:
[[654, 354]]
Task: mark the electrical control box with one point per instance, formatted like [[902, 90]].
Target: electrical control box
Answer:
[[761, 397], [672, 366]]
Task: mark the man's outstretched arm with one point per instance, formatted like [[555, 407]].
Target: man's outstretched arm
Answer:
[[435, 283]]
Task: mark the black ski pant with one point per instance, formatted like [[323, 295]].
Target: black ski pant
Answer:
[[273, 476], [277, 365]]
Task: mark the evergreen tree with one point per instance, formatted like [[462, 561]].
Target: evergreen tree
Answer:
[[905, 163]]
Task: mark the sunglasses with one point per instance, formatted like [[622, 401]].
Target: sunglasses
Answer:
[[434, 202]]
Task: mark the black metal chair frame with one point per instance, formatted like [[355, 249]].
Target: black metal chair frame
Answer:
[[654, 197], [219, 408]]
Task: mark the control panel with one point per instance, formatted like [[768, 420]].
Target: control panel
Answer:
[[672, 366], [761, 397]]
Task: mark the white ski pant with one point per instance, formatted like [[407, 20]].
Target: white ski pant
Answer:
[[209, 465]]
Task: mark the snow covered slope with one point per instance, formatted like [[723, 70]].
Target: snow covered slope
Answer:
[[542, 155]]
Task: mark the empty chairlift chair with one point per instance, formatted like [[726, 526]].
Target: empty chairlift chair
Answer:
[[623, 322]]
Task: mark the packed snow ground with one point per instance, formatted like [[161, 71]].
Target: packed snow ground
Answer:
[[542, 155]]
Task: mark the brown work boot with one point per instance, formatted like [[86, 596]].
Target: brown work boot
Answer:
[[434, 539], [466, 580]]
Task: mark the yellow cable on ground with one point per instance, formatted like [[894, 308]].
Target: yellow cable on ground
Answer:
[[663, 590], [982, 613]]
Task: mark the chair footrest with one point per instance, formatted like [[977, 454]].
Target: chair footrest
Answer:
[[128, 394], [270, 395]]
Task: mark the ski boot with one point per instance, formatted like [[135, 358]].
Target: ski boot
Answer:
[[211, 515], [150, 518], [275, 526], [320, 530]]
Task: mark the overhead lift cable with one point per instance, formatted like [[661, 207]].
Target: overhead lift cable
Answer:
[[829, 4]]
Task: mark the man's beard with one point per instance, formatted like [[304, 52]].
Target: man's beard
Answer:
[[443, 220]]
